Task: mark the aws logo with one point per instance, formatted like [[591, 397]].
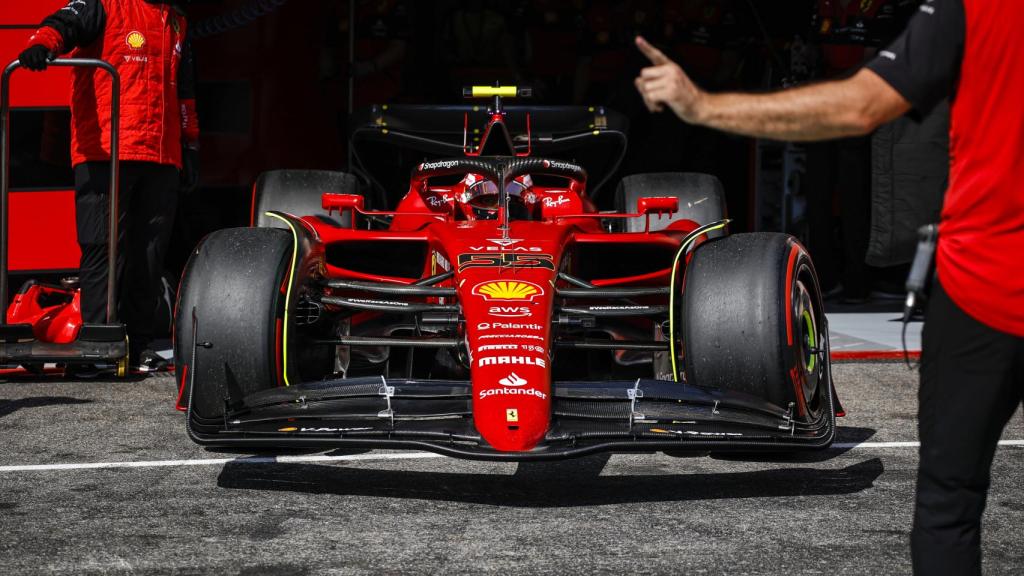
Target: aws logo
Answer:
[[510, 311], [135, 40], [508, 290]]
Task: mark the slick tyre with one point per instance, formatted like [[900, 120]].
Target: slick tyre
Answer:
[[753, 322], [299, 193], [235, 284], [701, 198]]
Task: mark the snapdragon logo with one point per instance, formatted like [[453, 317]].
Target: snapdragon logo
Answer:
[[560, 165], [440, 164]]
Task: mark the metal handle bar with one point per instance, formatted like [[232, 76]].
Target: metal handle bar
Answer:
[[5, 174]]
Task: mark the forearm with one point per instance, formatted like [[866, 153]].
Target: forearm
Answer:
[[77, 24], [834, 109]]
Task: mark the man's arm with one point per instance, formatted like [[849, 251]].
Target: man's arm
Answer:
[[850, 107], [78, 23], [919, 69]]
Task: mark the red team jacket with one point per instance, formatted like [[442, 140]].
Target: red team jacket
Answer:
[[145, 42]]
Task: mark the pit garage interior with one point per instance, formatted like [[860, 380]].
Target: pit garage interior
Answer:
[[98, 476]]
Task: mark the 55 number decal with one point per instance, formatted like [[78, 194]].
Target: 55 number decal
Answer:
[[512, 260]]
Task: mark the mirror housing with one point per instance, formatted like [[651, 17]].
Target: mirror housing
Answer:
[[341, 202], [657, 205]]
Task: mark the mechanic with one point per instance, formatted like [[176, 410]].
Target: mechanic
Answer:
[[972, 371], [145, 40]]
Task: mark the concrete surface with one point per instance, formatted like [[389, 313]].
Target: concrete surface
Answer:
[[183, 511]]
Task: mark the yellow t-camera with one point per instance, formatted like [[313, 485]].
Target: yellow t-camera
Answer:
[[492, 91]]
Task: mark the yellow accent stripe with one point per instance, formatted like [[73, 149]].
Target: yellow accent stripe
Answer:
[[488, 91], [672, 290], [287, 294]]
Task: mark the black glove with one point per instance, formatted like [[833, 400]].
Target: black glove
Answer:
[[189, 169], [36, 57]]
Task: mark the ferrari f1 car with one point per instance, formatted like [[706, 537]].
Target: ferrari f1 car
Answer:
[[496, 313]]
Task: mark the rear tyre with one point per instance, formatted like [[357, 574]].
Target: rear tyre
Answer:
[[701, 198], [752, 321], [299, 193], [235, 281]]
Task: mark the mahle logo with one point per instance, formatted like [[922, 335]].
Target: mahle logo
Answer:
[[508, 290]]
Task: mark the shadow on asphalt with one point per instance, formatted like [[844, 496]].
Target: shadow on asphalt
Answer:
[[8, 407], [544, 485]]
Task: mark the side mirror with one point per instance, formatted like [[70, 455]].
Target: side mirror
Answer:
[[657, 205], [341, 202]]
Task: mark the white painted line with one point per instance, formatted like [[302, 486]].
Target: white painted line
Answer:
[[855, 445], [220, 461], [353, 457]]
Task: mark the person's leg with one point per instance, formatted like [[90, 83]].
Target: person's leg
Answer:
[[968, 393], [150, 220], [92, 202]]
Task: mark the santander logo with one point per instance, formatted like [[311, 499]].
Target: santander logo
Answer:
[[513, 379]]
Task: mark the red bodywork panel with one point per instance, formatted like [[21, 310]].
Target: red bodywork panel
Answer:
[[54, 313]]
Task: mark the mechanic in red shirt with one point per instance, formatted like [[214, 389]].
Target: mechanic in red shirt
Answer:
[[145, 40], [972, 371]]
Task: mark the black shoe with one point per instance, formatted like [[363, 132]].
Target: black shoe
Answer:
[[150, 361]]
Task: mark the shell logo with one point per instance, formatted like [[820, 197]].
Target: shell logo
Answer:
[[507, 290], [135, 40]]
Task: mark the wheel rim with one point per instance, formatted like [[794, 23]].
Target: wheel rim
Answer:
[[807, 343]]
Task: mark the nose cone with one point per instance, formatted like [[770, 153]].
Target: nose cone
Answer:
[[511, 400], [507, 332]]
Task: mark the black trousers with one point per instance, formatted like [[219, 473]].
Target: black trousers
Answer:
[[148, 199], [972, 381]]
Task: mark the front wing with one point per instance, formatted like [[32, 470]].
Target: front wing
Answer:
[[588, 417]]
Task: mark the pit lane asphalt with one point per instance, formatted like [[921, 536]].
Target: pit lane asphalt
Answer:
[[845, 511]]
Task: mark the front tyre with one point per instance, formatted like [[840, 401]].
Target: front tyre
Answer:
[[235, 282], [753, 321]]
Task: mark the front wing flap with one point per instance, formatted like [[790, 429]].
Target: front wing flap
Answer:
[[588, 417]]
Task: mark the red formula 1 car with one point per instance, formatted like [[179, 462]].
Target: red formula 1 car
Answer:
[[495, 313]]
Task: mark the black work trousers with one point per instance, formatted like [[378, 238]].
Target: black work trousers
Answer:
[[972, 381], [148, 199]]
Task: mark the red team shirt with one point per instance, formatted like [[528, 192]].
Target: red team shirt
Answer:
[[973, 51]]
